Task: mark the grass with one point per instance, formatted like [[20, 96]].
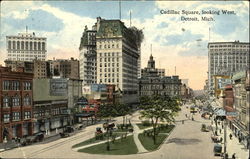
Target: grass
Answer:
[[141, 126], [148, 142], [93, 140], [119, 147]]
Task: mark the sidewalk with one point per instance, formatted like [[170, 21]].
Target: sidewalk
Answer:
[[233, 145]]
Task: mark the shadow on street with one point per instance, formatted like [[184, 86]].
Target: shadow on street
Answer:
[[182, 141]]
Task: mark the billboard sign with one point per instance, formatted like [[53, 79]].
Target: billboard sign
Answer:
[[58, 87]]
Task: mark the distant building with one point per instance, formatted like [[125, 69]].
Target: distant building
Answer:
[[39, 68], [225, 59], [151, 83], [240, 124], [64, 68], [87, 56], [16, 102], [26, 47], [151, 70]]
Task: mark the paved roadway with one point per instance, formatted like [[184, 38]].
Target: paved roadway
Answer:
[[185, 142]]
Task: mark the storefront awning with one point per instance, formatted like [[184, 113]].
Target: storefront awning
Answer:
[[84, 115]]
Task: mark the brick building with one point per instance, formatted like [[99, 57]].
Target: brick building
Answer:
[[15, 103]]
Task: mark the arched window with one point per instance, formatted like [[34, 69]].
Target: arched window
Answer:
[[22, 45], [15, 101], [27, 100], [14, 45], [9, 45], [31, 46], [18, 45], [35, 46], [26, 45], [39, 45], [43, 45], [6, 101]]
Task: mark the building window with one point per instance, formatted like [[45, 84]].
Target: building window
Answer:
[[39, 45], [9, 45], [6, 101], [14, 45], [22, 45], [43, 45], [6, 118], [35, 46], [6, 85], [26, 45], [16, 101], [31, 46], [27, 85], [18, 45], [15, 116], [15, 85], [27, 100], [27, 115]]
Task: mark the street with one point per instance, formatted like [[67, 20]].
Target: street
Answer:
[[185, 141]]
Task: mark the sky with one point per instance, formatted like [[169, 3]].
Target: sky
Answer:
[[175, 43]]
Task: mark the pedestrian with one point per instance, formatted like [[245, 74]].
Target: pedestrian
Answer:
[[234, 156], [230, 136], [239, 140], [221, 139], [222, 126], [216, 133], [186, 115], [220, 131]]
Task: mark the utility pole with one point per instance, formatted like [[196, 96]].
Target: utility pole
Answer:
[[130, 17], [120, 14]]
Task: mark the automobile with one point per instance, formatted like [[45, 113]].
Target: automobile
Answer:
[[215, 139], [204, 128], [68, 129], [217, 150], [64, 134], [38, 137]]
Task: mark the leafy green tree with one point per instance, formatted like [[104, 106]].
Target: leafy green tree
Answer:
[[159, 108]]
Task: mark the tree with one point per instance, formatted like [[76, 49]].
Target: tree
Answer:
[[159, 108], [106, 111]]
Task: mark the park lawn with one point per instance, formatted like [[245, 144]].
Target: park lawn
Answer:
[[166, 130], [93, 140], [119, 147], [148, 142], [141, 126]]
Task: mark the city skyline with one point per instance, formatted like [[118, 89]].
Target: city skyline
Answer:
[[175, 43]]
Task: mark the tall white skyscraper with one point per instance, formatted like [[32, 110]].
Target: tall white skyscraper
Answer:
[[225, 59], [26, 47]]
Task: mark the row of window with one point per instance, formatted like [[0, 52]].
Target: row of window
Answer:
[[109, 59], [109, 69], [15, 85], [26, 45], [109, 80], [105, 54], [211, 46], [15, 101], [16, 116]]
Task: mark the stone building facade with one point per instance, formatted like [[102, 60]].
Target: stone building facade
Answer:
[[26, 47], [240, 124], [16, 101], [225, 59], [151, 83], [87, 56]]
